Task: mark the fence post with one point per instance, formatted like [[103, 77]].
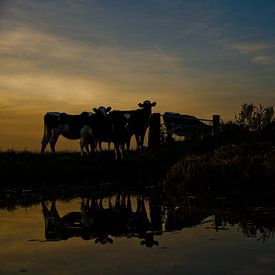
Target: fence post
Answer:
[[216, 124], [154, 131]]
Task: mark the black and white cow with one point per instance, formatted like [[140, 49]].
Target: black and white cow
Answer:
[[119, 126], [138, 122], [185, 125], [69, 126]]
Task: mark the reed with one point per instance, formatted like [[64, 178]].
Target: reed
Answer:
[[235, 167]]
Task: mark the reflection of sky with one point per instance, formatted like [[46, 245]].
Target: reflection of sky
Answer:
[[194, 57], [196, 250]]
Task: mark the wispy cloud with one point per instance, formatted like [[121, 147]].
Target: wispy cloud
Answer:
[[259, 53], [251, 47], [43, 51], [264, 59]]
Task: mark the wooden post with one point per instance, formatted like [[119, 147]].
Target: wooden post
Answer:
[[216, 124], [154, 131]]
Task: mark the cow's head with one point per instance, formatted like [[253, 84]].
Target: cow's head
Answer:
[[102, 111], [147, 105]]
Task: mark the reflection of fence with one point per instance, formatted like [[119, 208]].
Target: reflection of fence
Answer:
[[181, 125]]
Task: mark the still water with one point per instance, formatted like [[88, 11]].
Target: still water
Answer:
[[131, 233]]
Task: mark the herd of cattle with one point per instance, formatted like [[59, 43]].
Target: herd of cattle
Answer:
[[102, 125], [117, 127]]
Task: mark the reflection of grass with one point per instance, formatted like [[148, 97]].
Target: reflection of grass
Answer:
[[245, 166]]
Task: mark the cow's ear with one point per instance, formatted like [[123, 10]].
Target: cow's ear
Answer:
[[140, 105], [108, 109], [95, 110], [153, 104]]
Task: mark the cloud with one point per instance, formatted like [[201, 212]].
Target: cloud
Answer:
[[28, 49], [264, 59], [251, 47], [258, 53], [37, 91]]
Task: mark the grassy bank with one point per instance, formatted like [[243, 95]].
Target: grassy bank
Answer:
[[243, 168], [21, 169], [190, 166]]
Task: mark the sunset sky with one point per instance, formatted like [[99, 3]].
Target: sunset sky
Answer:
[[198, 57]]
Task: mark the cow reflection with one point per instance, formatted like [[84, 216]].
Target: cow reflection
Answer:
[[94, 221], [60, 228]]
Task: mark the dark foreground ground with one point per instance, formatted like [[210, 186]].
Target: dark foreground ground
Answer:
[[180, 164]]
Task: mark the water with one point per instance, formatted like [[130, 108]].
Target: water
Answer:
[[160, 234]]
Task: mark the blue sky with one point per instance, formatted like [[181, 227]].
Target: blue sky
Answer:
[[192, 57]]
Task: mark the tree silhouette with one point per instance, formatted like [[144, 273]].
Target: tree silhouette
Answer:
[[255, 118]]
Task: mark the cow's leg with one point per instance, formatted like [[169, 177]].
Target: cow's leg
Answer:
[[121, 150], [100, 204], [110, 203], [84, 144], [54, 210], [87, 148], [82, 152], [83, 137], [129, 204], [55, 136], [138, 141], [128, 143], [123, 200], [100, 146], [117, 152], [92, 145], [45, 140], [142, 139], [86, 139], [117, 202], [45, 209], [84, 214]]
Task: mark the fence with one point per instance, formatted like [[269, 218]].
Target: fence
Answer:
[[183, 125]]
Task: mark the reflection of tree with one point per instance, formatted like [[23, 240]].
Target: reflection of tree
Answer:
[[257, 222], [185, 212], [143, 217]]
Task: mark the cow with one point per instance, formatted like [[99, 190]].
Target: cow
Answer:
[[185, 125], [119, 126], [69, 126], [138, 122], [135, 121], [110, 127], [99, 127]]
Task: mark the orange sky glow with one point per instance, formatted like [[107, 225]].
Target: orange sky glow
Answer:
[[70, 56]]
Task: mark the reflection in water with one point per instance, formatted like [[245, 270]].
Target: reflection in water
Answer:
[[104, 216], [94, 221], [190, 234], [118, 218]]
